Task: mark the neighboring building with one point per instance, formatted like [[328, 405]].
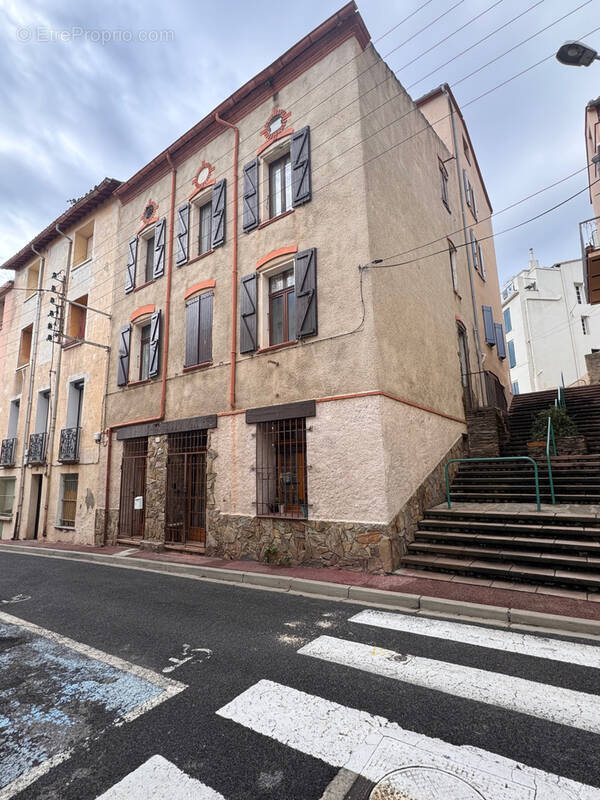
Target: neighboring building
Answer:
[[590, 240], [304, 308], [53, 385], [549, 326], [270, 398]]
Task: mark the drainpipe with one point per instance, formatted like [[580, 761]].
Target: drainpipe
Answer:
[[165, 356], [32, 362], [467, 241], [52, 429], [234, 265]]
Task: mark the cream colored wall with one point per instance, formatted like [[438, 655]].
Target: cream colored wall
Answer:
[[592, 139]]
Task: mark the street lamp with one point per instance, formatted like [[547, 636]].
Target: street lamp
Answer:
[[576, 54]]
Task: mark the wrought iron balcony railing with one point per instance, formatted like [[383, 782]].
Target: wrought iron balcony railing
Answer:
[[36, 453], [8, 452], [68, 450]]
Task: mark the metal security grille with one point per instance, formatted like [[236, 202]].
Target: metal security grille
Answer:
[[69, 500], [185, 510], [281, 468], [133, 484]]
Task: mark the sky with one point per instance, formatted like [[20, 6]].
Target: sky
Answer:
[[89, 90]]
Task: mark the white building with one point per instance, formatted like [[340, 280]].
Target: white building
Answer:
[[548, 325]]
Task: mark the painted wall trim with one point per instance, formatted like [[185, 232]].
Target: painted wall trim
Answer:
[[281, 251], [198, 287], [142, 311]]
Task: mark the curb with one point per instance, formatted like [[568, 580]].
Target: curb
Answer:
[[500, 616]]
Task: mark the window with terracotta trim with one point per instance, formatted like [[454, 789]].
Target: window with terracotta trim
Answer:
[[282, 307], [198, 329], [280, 186], [204, 228], [149, 264], [144, 352]]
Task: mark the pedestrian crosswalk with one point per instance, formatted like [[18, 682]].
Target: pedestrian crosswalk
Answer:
[[408, 763]]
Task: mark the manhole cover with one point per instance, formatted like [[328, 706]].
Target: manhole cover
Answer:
[[424, 783]]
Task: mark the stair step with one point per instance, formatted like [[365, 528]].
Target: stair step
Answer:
[[539, 558], [564, 521], [507, 529], [540, 543]]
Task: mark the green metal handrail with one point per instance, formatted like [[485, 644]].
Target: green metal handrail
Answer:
[[497, 458], [549, 435]]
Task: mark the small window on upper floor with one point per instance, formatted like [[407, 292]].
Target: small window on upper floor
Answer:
[[280, 186], [466, 150], [148, 255], [33, 276], [453, 273], [507, 321], [282, 307], [83, 244], [2, 303], [579, 293], [205, 228], [25, 346], [585, 325], [444, 184], [77, 319], [144, 352]]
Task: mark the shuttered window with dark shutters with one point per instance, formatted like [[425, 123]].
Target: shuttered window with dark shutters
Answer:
[[500, 344], [218, 214], [183, 234], [198, 330], [123, 363], [131, 265], [301, 170], [250, 196], [488, 325], [154, 360], [474, 251], [160, 235], [248, 313], [306, 293]]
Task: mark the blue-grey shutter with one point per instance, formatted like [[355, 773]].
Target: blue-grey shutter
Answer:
[[131, 264], [466, 187], [123, 364], [250, 196], [512, 358], [306, 293], [183, 234], [160, 235], [488, 325], [154, 359], [481, 262], [473, 202], [300, 161], [248, 313], [474, 251], [500, 344], [205, 331], [218, 214], [192, 320]]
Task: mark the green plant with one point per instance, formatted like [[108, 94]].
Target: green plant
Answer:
[[270, 552], [562, 423]]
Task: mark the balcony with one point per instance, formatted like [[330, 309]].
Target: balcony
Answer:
[[590, 243], [36, 454], [68, 449], [8, 452]]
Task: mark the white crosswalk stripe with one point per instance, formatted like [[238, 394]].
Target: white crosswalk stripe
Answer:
[[509, 641], [374, 747], [160, 779], [566, 707]]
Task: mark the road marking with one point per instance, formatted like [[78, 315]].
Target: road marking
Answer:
[[585, 655], [159, 778], [17, 598], [128, 552], [76, 679], [552, 703], [373, 747], [188, 653]]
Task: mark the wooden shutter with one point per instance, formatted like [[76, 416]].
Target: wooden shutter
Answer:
[[153, 366], [250, 196], [131, 264], [123, 365], [300, 160], [474, 251], [249, 316], [205, 337], [218, 214], [500, 344], [192, 320], [306, 293], [488, 324], [160, 234], [183, 234]]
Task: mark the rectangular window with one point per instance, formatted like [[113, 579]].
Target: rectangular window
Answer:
[[198, 330], [33, 275], [205, 229], [282, 308], [507, 321], [481, 262], [149, 269], [280, 186], [466, 150], [512, 359], [515, 387], [68, 500], [77, 319], [579, 293], [281, 476], [41, 415], [444, 184], [453, 273], [83, 244], [473, 200], [585, 325], [144, 352], [7, 495], [25, 346], [13, 419], [74, 403], [2, 302], [474, 251]]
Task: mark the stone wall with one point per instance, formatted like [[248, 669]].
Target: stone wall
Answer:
[[487, 432], [156, 491], [112, 528], [592, 361]]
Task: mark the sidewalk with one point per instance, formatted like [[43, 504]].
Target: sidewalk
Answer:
[[517, 598]]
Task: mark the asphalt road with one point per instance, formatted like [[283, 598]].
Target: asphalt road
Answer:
[[224, 640]]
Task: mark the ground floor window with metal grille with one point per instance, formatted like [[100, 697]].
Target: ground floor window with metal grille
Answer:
[[132, 513], [185, 504], [68, 500], [281, 468]]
